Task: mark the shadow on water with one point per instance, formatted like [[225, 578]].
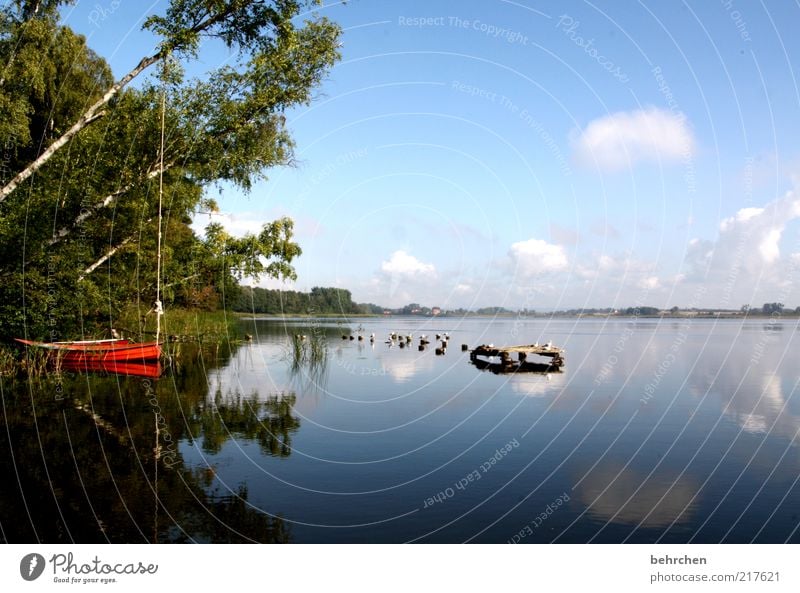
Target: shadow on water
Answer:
[[87, 458], [497, 368]]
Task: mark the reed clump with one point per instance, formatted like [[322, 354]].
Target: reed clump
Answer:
[[30, 362], [179, 325], [309, 353]]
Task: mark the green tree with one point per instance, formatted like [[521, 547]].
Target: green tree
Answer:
[[772, 308], [262, 30], [84, 222]]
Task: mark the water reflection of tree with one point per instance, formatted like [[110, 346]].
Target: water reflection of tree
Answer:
[[85, 468], [268, 421]]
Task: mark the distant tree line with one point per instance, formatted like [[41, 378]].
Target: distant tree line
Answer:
[[769, 309], [320, 300], [641, 311], [328, 300]]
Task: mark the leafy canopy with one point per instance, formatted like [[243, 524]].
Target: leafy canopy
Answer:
[[81, 164]]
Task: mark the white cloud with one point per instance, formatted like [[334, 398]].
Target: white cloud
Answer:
[[536, 256], [744, 263], [536, 384], [403, 279], [742, 215], [621, 139], [563, 235], [238, 225], [403, 264], [768, 247], [605, 262], [650, 283]]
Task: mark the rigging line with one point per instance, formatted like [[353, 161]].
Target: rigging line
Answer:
[[158, 306]]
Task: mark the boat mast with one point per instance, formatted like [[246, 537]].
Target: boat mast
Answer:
[[158, 307]]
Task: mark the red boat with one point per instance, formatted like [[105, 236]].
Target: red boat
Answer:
[[150, 369], [116, 350]]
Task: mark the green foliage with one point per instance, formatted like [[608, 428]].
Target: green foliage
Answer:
[[308, 354], [78, 239], [642, 311], [492, 311], [49, 78], [320, 301], [772, 308], [113, 465], [269, 421]]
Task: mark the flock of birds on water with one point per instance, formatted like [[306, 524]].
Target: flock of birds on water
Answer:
[[403, 341]]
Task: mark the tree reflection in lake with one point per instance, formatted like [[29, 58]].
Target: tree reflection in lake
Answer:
[[99, 459], [269, 422]]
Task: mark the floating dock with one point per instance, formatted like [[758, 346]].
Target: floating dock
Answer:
[[507, 363]]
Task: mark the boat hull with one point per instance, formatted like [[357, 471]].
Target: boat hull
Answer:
[[100, 351], [151, 369]]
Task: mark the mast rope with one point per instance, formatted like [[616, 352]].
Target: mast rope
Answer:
[[159, 310]]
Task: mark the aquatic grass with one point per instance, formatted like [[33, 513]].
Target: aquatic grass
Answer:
[[8, 362], [211, 332], [178, 324], [31, 362], [308, 355], [317, 349], [298, 351]]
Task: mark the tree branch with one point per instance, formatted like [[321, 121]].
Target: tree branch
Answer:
[[181, 281], [86, 213], [104, 258], [93, 113]]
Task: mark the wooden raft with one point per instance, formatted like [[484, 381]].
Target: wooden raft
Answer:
[[504, 353]]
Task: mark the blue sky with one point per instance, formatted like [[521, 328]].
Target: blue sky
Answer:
[[532, 154]]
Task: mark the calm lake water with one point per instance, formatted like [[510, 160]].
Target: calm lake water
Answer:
[[655, 431]]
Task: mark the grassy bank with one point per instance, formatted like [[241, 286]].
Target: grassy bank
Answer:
[[241, 314], [186, 334], [180, 324], [20, 362]]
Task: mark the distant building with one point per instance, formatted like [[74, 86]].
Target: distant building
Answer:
[[436, 311]]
